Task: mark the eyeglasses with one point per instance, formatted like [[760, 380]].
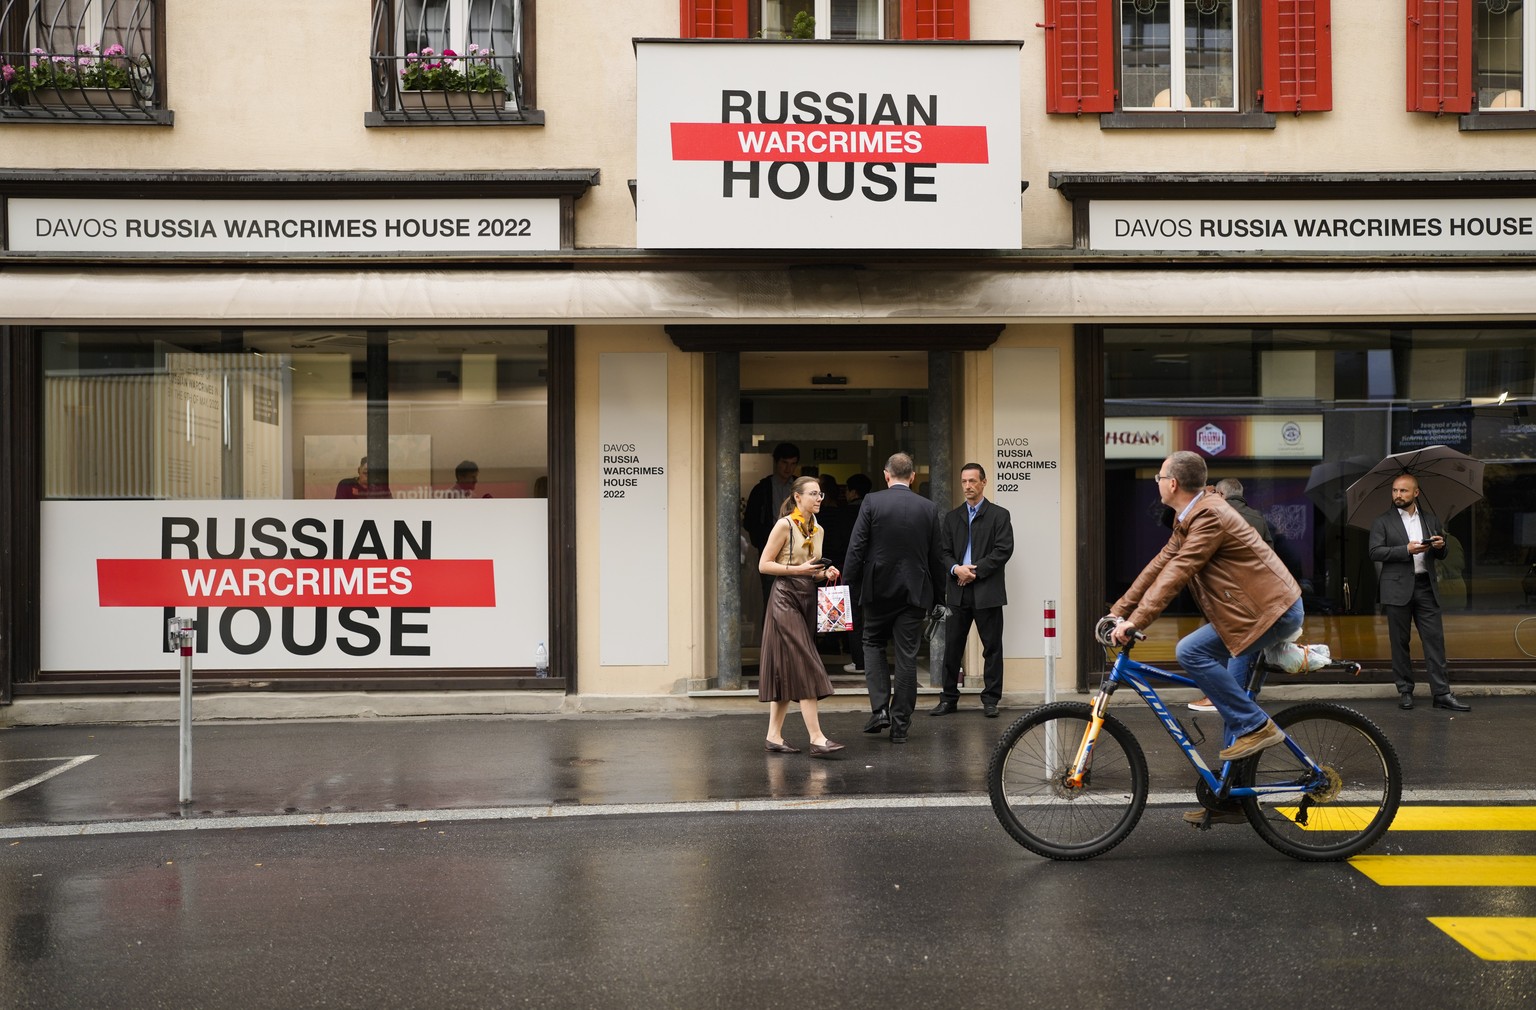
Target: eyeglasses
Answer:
[[1162, 477], [814, 494]]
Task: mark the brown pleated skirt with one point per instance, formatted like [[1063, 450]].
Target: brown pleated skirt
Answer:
[[789, 667]]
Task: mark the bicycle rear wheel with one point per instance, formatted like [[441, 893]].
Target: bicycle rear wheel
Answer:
[[1027, 780], [1349, 808]]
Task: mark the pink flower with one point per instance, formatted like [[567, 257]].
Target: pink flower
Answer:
[[116, 50], [85, 49], [7, 71], [413, 56], [428, 52]]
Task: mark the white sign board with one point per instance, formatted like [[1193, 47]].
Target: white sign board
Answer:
[[295, 585], [1333, 226], [220, 227], [632, 515], [828, 146], [1026, 480]]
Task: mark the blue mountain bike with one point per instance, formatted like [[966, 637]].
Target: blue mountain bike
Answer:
[[1069, 781]]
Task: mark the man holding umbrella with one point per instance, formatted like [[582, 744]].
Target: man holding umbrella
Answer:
[[1406, 541]]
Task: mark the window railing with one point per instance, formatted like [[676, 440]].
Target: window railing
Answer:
[[82, 60], [450, 61]]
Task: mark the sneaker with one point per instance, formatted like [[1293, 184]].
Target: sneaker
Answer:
[[1197, 817], [1266, 735], [852, 668], [1202, 705]]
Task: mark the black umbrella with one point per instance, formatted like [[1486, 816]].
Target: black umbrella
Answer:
[[1329, 480], [1449, 482]]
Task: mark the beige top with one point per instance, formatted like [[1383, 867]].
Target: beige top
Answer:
[[795, 551]]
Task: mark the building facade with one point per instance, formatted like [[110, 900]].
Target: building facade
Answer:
[[431, 337]]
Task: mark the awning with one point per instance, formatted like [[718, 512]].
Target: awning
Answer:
[[92, 296]]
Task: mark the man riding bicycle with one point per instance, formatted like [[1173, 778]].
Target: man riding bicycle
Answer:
[[1249, 599]]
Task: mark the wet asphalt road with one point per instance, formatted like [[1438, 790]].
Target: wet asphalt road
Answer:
[[470, 763], [885, 903], [926, 908]]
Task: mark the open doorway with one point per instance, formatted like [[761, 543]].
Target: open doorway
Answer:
[[841, 430]]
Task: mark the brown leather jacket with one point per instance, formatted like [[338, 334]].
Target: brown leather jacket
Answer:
[[1238, 582]]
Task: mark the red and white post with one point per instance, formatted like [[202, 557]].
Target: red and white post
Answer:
[[180, 631], [1052, 650]]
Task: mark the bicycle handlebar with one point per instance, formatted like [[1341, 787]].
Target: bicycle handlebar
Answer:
[[1105, 628]]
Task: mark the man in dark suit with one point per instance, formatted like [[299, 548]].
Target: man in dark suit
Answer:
[[1406, 541], [893, 567], [763, 501], [977, 541]]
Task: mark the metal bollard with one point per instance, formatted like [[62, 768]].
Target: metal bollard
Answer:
[[179, 632], [1052, 650]]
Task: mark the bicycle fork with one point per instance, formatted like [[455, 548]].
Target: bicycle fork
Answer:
[[1079, 771]]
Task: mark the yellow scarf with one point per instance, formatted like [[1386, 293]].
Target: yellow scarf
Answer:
[[808, 532]]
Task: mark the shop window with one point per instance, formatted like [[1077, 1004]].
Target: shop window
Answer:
[[1187, 63], [453, 61], [326, 502], [825, 19], [1296, 415], [83, 61]]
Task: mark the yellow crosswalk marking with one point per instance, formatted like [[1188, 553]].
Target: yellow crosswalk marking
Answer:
[[1344, 818], [1465, 819], [1448, 871], [1492, 938]]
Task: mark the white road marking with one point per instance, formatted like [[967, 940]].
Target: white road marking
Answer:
[[1180, 798], [68, 763]]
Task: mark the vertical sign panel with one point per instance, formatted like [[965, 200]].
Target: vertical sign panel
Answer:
[[632, 430], [1026, 480]]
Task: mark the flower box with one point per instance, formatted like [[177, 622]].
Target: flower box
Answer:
[[76, 99], [452, 101]]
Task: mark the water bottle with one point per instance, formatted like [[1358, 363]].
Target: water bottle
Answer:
[[541, 661]]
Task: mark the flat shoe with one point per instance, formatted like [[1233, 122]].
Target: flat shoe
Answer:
[[1266, 735], [819, 750], [1197, 817], [781, 748]]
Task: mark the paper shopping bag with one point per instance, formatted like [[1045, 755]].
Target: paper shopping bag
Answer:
[[834, 609]]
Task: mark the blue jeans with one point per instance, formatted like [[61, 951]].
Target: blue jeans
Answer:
[[1224, 677]]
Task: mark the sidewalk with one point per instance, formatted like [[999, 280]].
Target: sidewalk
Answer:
[[468, 763]]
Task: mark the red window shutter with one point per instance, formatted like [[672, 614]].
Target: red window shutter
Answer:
[[1298, 56], [1439, 56], [714, 19], [1079, 56], [935, 19]]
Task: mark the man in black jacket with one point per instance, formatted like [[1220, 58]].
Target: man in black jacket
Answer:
[[976, 545], [893, 566], [1406, 541], [763, 502]]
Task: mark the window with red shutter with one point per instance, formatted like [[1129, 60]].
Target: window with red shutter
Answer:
[[1079, 56], [1298, 56], [935, 19], [714, 19], [1439, 56]]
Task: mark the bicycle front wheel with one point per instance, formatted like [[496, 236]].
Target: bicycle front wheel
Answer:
[[1041, 809], [1344, 811]]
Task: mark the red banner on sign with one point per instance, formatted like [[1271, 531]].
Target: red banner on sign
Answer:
[[292, 582], [945, 145]]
